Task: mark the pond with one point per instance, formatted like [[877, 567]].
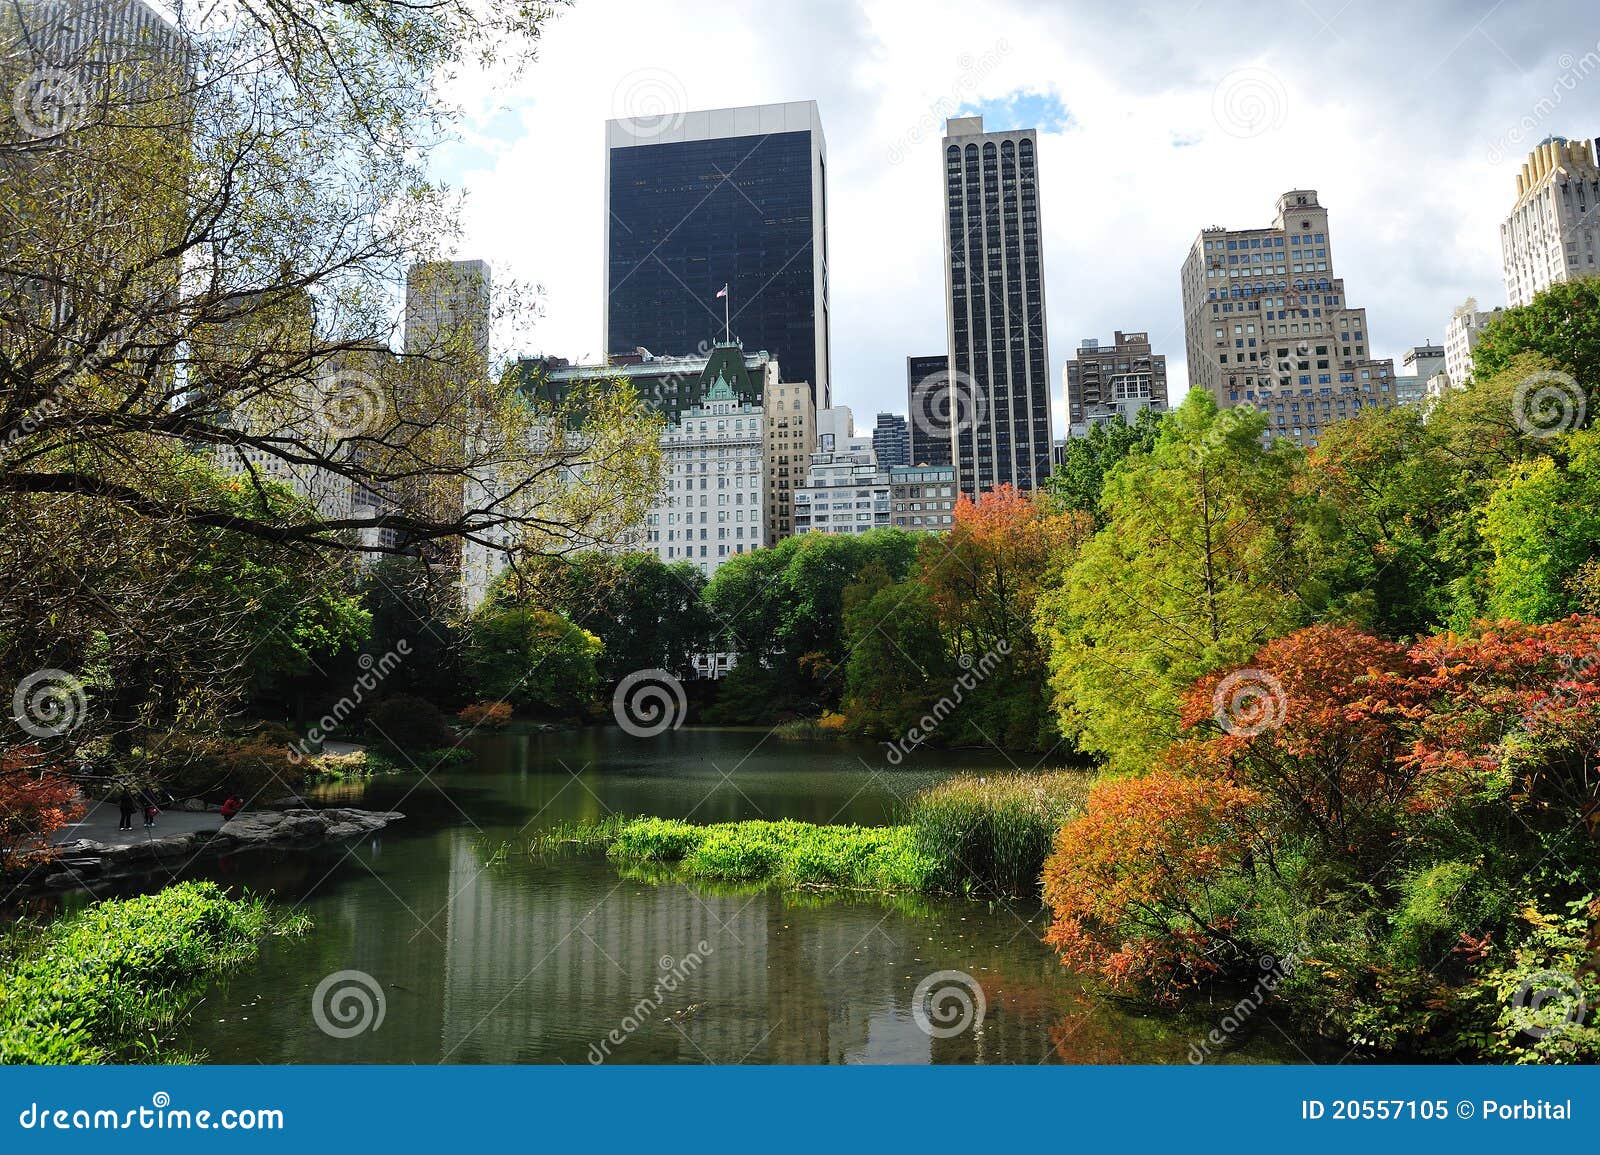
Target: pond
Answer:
[[485, 955]]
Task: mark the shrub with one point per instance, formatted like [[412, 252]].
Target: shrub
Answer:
[[35, 802], [486, 715], [187, 766], [993, 833], [96, 986], [1131, 882], [538, 661], [410, 723]]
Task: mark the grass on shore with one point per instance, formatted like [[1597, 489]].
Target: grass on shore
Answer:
[[969, 835], [783, 853], [104, 984]]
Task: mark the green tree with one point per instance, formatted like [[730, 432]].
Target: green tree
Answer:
[[1079, 480], [782, 610], [648, 614], [897, 665], [410, 603], [1542, 525], [1562, 324], [536, 660], [1202, 559]]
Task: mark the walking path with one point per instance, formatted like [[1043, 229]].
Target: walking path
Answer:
[[101, 821]]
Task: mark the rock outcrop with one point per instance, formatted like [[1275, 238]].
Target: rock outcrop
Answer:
[[73, 864]]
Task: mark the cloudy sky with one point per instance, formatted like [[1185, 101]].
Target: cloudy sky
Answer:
[[1410, 120]]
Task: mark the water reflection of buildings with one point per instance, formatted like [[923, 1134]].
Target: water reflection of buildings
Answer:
[[540, 972], [523, 962]]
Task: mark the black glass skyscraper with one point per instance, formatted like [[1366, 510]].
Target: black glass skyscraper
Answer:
[[994, 269], [928, 402], [734, 197]]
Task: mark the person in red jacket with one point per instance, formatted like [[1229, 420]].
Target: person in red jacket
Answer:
[[232, 806]]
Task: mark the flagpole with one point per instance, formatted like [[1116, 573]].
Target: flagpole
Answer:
[[727, 324]]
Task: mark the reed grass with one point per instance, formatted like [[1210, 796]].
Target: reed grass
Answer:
[[991, 833], [595, 834]]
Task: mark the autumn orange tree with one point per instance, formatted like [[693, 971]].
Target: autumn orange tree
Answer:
[[1293, 726], [36, 800], [1408, 820], [983, 579]]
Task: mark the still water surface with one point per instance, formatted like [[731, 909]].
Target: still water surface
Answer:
[[486, 958]]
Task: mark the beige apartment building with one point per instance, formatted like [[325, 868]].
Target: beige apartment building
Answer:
[[791, 421], [1268, 325], [1461, 335], [1553, 232]]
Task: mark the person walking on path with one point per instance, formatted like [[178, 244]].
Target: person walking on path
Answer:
[[125, 805], [150, 810]]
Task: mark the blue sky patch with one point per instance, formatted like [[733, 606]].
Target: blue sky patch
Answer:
[[1022, 109]]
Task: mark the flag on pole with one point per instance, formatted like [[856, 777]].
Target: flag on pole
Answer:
[[722, 292]]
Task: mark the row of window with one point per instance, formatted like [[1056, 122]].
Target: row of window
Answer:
[[1272, 242]]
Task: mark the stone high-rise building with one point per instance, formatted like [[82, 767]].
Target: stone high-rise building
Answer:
[[1115, 380], [447, 314], [1553, 231], [790, 435], [995, 308], [714, 504], [1268, 325]]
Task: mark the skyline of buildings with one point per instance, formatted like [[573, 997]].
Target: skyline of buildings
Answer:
[[1268, 325], [999, 395], [716, 226]]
